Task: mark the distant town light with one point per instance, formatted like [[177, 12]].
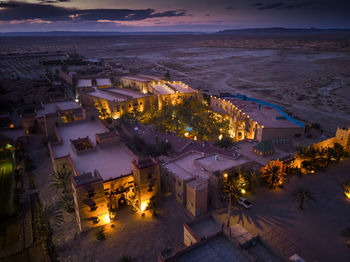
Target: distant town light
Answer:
[[243, 191], [225, 175], [220, 137]]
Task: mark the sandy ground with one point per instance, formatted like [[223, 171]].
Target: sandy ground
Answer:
[[313, 233], [310, 77]]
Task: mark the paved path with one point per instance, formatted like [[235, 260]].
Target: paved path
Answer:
[[313, 232]]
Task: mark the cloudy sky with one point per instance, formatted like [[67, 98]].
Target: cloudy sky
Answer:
[[170, 15]]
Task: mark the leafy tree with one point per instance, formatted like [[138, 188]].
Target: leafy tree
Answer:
[[301, 195], [274, 173], [232, 190], [225, 142]]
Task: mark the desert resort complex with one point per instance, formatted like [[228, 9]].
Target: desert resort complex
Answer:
[[130, 141]]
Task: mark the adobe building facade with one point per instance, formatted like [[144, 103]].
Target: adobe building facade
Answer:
[[137, 93], [251, 120], [106, 175], [195, 179]]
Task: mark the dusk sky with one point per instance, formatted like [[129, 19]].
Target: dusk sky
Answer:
[[170, 15]]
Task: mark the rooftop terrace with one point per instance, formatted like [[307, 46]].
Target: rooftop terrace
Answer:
[[111, 161], [184, 167], [217, 248], [181, 87], [54, 107], [116, 94], [264, 115], [84, 83], [162, 89], [103, 82], [127, 92], [217, 162]]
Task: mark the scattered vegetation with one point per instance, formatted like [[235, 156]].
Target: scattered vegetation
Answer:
[[191, 119], [225, 142], [303, 195], [100, 234], [44, 218], [140, 147]]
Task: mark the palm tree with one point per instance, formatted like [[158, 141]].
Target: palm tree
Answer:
[[274, 173], [66, 202], [302, 194], [61, 180], [346, 187], [232, 190]]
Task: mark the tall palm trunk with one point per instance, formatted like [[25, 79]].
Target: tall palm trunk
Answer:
[[229, 211], [301, 204]]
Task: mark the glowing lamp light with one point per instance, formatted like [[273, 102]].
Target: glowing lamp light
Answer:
[[347, 194], [76, 100], [195, 138], [106, 219], [225, 175], [243, 191], [12, 125], [143, 206], [186, 134], [220, 137]]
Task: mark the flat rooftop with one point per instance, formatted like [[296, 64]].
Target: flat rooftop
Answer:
[[151, 77], [103, 82], [266, 116], [110, 161], [127, 92], [184, 167], [54, 107], [110, 96], [218, 162], [162, 88], [218, 248], [137, 78], [181, 87], [84, 83]]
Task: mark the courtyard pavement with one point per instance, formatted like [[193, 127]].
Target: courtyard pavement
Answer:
[[313, 233], [133, 235]]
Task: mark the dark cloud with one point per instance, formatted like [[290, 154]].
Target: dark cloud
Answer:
[[47, 12], [280, 5], [229, 8], [301, 5], [271, 6], [53, 1]]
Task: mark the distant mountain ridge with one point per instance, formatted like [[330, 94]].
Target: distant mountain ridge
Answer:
[[92, 33], [282, 30], [247, 31]]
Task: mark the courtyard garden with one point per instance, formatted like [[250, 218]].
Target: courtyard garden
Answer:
[[6, 188]]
